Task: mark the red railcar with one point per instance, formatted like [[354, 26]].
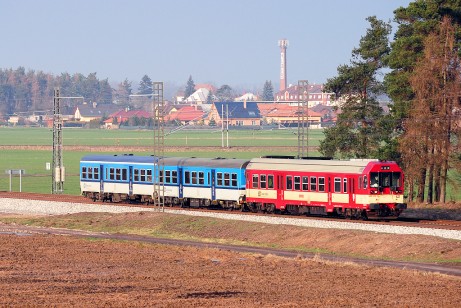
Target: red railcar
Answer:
[[351, 188]]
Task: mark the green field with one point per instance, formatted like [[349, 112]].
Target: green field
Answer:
[[197, 137], [38, 179]]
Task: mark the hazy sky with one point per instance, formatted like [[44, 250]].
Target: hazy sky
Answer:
[[230, 42]]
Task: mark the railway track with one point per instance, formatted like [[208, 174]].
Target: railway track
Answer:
[[413, 222]]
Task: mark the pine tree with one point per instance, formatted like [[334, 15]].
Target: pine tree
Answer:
[[359, 131], [145, 86], [190, 88], [268, 91]]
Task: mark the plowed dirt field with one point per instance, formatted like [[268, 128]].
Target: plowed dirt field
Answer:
[[56, 270]]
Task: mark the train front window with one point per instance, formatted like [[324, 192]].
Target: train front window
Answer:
[[396, 182], [385, 180], [374, 179]]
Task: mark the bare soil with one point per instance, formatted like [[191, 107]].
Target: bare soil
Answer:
[[51, 270], [60, 271]]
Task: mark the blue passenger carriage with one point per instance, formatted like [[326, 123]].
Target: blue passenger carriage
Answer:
[[118, 177], [203, 182]]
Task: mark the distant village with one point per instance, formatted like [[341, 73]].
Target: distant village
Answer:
[[245, 111]]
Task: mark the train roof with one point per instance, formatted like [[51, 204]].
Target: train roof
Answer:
[[338, 166], [119, 158], [206, 162]]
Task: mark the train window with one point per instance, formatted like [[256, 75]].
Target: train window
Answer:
[[136, 175], [234, 179], [337, 185], [313, 183], [365, 182], [160, 176], [186, 177], [194, 177], [345, 185], [270, 181], [124, 174], [289, 182], [305, 183], [142, 178], [219, 179], [297, 183], [174, 177], [118, 174], [395, 179], [321, 184], [385, 179], [226, 179], [83, 172], [255, 181], [374, 179], [167, 176], [262, 180], [201, 177], [149, 175], [96, 173], [111, 173], [90, 172]]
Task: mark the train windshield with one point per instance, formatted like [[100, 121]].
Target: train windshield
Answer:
[[385, 179]]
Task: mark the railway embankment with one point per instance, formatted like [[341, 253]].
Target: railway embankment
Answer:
[[436, 213]]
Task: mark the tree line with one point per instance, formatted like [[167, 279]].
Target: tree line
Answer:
[[423, 80]]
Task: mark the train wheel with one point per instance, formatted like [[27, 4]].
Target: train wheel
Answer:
[[363, 215]]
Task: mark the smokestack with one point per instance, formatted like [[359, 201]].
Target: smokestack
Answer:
[[283, 44]]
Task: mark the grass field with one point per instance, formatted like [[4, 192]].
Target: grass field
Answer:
[[38, 179], [198, 137]]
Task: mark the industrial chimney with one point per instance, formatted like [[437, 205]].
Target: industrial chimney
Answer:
[[283, 44]]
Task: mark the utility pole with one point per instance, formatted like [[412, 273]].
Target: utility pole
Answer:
[[303, 118], [57, 169], [158, 107]]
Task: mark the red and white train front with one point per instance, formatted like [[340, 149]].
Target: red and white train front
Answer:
[[354, 188]]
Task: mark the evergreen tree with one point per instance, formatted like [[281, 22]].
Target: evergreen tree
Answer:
[[225, 94], [268, 91], [145, 86], [408, 59], [190, 88], [359, 130]]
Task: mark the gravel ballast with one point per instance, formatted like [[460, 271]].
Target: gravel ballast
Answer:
[[36, 207]]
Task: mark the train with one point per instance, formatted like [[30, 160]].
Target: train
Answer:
[[354, 188]]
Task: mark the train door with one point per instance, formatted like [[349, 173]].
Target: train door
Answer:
[[351, 190], [280, 187], [180, 183], [130, 179], [213, 184], [101, 178], [328, 188]]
